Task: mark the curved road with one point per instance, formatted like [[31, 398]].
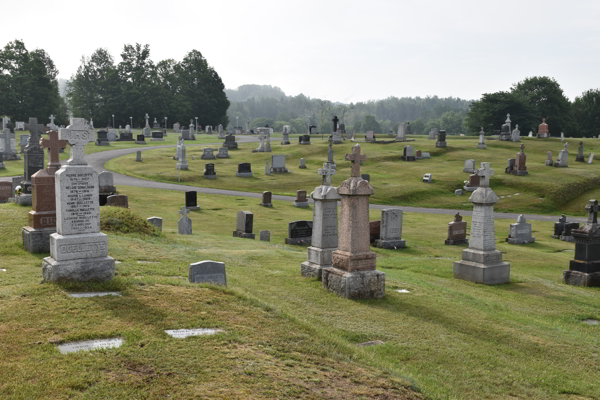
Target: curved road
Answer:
[[97, 161]]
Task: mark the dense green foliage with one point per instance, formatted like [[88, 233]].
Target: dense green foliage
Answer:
[[28, 85], [531, 100], [135, 86], [267, 104]]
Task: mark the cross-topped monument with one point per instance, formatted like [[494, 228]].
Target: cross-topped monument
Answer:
[[522, 148], [77, 134], [327, 172], [53, 145], [484, 172], [36, 131], [52, 117], [147, 117], [335, 121], [592, 208], [330, 152], [356, 158]]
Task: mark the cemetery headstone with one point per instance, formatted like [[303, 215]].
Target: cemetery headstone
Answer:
[[353, 274], [366, 177], [457, 231], [230, 142], [23, 139], [441, 139], [158, 136], [111, 136], [428, 178], [302, 165], [6, 191], [223, 152], [562, 136], [33, 161], [209, 171], [505, 132], [278, 164], [584, 269], [106, 187], [42, 217], [265, 236], [244, 170], [337, 137], [299, 233], [176, 127], [78, 250], [520, 232], [580, 157], [8, 141], [370, 136], [401, 136], [304, 139], [390, 230], [182, 162], [191, 200], [591, 158], [207, 154], [516, 134], [243, 225], [102, 138], [543, 131], [563, 229], [138, 156], [470, 166], [207, 272], [562, 161], [184, 225], [481, 262], [157, 222], [516, 166], [140, 139], [481, 144], [286, 136], [432, 134], [118, 200], [549, 161], [301, 201], [266, 199], [408, 154]]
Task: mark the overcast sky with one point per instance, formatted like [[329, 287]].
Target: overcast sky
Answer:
[[345, 51]]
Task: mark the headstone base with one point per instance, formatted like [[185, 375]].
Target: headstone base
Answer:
[[481, 146], [580, 159], [469, 170], [102, 143], [318, 259], [267, 204], [310, 270], [37, 240], [182, 166], [337, 141], [351, 262], [570, 239], [302, 167], [301, 204], [11, 157], [456, 242], [577, 278], [390, 244], [558, 165], [203, 157], [301, 241], [520, 241], [549, 163], [409, 158], [441, 144], [24, 200], [470, 188], [140, 142], [243, 174], [354, 285], [193, 208], [520, 173], [484, 267], [213, 176], [244, 235], [88, 269], [586, 267], [158, 139], [285, 142], [278, 170]]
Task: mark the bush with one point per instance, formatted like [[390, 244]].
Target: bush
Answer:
[[123, 220]]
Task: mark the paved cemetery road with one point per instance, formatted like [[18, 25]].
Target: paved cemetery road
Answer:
[[97, 161]]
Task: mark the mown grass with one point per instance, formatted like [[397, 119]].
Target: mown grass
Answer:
[[286, 337], [545, 190]]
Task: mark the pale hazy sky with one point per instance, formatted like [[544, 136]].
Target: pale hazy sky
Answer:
[[337, 50]]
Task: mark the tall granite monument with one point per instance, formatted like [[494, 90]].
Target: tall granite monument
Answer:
[[78, 251]]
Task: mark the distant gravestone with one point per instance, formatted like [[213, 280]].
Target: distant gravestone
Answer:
[[266, 199], [520, 232], [441, 139], [207, 154], [5, 191], [244, 170], [428, 178], [157, 222], [370, 137], [549, 161], [184, 225], [470, 166], [278, 164], [117, 200], [140, 139], [265, 236], [408, 154], [88, 345], [230, 142], [390, 229], [304, 139], [158, 136], [209, 171], [111, 135], [223, 152], [457, 231], [302, 165], [481, 144], [207, 272], [191, 200], [301, 201], [591, 158], [562, 161], [102, 138], [138, 156], [243, 225], [299, 233]]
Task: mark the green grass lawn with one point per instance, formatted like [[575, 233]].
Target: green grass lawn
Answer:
[[545, 190], [285, 336]]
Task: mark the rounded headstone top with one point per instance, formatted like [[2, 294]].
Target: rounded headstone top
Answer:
[[483, 195]]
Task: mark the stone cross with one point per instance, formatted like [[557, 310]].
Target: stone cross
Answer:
[[52, 117], [508, 121], [522, 148], [335, 123], [327, 172], [146, 116], [36, 130], [77, 134], [457, 217], [592, 208], [184, 211], [567, 146], [356, 159], [53, 145], [485, 173]]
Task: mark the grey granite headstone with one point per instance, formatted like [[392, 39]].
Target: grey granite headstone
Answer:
[[157, 222], [243, 225], [207, 272], [94, 294], [184, 333], [390, 234], [520, 232], [138, 156], [265, 236], [184, 224]]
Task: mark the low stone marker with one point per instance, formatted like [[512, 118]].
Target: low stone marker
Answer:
[[265, 236], [266, 199], [88, 345], [138, 156], [244, 170], [243, 225], [520, 232], [94, 294], [5, 191], [157, 222], [301, 200], [208, 272], [184, 224], [299, 233], [591, 158], [427, 178], [118, 200], [457, 231], [184, 333], [390, 230]]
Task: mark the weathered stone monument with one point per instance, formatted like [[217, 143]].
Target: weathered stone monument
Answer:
[[324, 238], [516, 134], [243, 225], [278, 164], [157, 222], [401, 136], [191, 200], [299, 233], [8, 142], [244, 170], [78, 251], [266, 199], [286, 134], [408, 154], [562, 161], [147, 132], [457, 231], [106, 187], [301, 201], [505, 131], [207, 154], [390, 230], [481, 262], [520, 232], [580, 157], [481, 144], [441, 139], [209, 171], [184, 225], [549, 161], [33, 160], [563, 229], [353, 274], [516, 166], [584, 270], [543, 131], [470, 166], [42, 217], [182, 162], [432, 134], [207, 272]]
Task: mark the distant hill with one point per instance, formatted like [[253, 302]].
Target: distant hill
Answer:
[[246, 92]]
